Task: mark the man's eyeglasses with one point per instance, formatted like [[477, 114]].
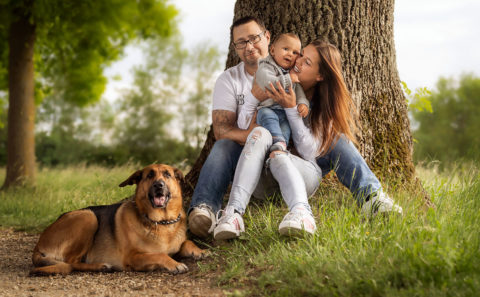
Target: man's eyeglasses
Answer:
[[252, 39]]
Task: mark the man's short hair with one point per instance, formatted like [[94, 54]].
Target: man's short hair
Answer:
[[244, 20]]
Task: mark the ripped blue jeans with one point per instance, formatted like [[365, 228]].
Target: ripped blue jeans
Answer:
[[295, 178], [274, 119]]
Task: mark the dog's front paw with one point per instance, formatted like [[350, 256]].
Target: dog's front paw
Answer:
[[200, 254], [179, 268], [106, 268]]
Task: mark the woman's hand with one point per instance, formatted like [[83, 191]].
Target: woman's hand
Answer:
[[286, 100], [258, 92]]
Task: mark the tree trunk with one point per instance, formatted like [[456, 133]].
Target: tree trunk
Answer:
[[21, 109], [363, 32]]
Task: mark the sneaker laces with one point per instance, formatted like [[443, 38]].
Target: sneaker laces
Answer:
[[379, 200], [224, 215]]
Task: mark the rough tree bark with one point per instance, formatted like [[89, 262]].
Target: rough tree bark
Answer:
[[21, 110], [363, 32]]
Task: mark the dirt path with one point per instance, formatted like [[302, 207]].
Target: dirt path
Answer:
[[15, 263]]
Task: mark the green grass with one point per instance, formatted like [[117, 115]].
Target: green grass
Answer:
[[423, 253], [61, 190], [433, 252]]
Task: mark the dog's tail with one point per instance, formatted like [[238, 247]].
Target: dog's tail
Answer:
[[67, 268], [47, 265], [59, 268], [40, 259]]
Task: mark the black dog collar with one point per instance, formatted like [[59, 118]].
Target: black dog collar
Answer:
[[162, 222]]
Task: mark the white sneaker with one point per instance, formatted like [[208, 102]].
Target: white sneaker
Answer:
[[230, 225], [380, 203], [201, 221], [294, 223]]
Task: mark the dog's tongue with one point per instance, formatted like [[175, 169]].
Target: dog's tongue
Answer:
[[159, 201]]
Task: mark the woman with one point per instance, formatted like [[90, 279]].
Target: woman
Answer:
[[324, 142]]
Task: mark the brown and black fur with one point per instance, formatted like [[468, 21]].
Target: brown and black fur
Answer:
[[136, 234]]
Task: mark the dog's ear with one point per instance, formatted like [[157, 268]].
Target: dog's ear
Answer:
[[179, 175], [133, 179]]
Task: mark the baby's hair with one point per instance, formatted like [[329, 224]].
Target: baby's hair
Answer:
[[289, 34]]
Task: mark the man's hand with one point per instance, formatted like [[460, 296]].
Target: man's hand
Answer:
[[253, 123], [260, 94], [302, 110]]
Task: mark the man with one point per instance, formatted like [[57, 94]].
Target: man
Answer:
[[251, 40]]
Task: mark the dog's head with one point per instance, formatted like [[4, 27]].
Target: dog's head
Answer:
[[158, 186]]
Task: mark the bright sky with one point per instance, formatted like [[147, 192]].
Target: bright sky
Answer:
[[433, 38]]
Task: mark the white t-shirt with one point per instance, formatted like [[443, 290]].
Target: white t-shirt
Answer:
[[231, 88]]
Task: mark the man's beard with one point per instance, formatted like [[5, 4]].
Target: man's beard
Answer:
[[252, 59]]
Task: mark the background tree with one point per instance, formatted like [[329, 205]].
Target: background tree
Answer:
[[148, 108], [71, 41], [203, 63], [70, 134], [170, 99], [363, 31], [451, 132]]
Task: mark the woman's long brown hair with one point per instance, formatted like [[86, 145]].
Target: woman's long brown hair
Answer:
[[332, 106]]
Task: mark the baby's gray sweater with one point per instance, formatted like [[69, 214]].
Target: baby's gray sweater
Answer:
[[269, 72]]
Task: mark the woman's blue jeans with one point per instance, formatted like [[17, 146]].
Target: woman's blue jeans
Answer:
[[351, 169], [218, 171]]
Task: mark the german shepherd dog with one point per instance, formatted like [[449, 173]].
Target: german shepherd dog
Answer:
[[138, 234]]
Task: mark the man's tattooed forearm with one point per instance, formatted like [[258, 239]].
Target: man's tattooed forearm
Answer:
[[223, 122]]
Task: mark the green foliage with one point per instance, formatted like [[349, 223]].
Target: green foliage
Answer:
[[163, 105], [420, 100], [204, 61], [74, 43], [76, 40], [450, 132], [67, 134], [146, 110], [146, 124]]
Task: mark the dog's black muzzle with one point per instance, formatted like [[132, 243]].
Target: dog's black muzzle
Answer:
[[159, 194]]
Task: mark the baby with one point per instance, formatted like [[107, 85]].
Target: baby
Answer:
[[283, 54]]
